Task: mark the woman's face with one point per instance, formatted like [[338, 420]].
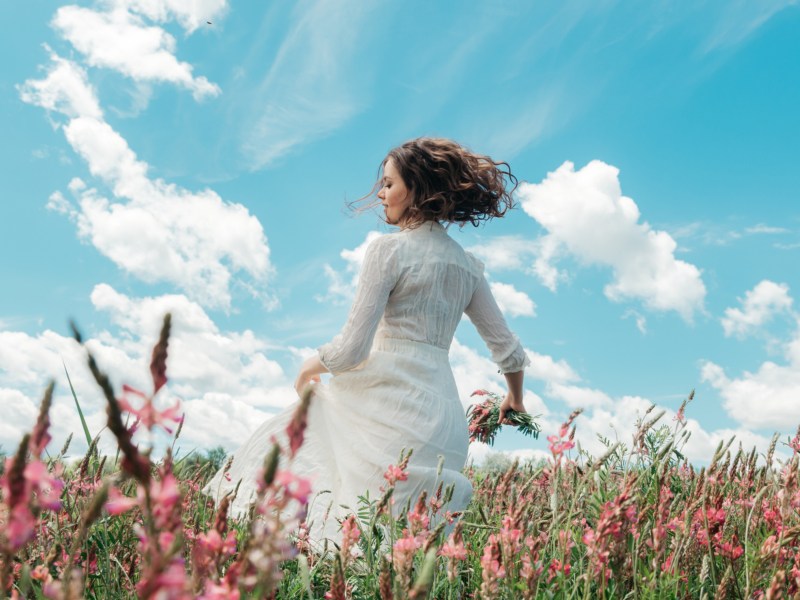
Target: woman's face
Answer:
[[395, 196]]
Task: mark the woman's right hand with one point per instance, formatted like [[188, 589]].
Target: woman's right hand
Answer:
[[511, 402]]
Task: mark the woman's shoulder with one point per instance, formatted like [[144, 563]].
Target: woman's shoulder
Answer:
[[474, 262]]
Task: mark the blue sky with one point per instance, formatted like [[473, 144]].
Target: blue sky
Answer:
[[153, 161]]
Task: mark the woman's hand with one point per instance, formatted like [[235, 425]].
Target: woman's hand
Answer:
[[511, 402], [309, 373]]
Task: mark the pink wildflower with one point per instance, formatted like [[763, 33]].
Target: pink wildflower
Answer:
[[492, 569], [556, 567], [220, 591], [294, 486], [148, 414], [394, 474], [118, 502], [418, 519], [403, 557], [164, 495], [453, 549], [48, 489], [350, 536], [21, 527]]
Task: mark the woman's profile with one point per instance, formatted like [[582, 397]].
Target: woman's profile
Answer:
[[392, 386]]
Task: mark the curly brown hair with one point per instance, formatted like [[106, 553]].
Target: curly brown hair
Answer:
[[449, 182]]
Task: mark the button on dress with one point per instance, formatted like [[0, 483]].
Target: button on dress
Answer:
[[392, 386]]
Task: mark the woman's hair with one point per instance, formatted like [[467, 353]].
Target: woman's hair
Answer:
[[449, 182]]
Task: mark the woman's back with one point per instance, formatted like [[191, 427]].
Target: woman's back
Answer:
[[436, 279]]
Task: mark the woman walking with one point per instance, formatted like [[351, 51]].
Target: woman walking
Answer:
[[392, 386]]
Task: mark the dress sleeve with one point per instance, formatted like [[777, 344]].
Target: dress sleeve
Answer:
[[377, 279], [506, 349]]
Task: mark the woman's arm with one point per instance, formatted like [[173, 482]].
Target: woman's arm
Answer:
[[351, 346], [513, 400], [506, 349]]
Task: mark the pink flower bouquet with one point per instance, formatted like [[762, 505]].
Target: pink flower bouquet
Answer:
[[483, 419]]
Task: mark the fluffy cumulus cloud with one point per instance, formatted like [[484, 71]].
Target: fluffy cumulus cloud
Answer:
[[154, 230], [65, 89], [758, 307], [512, 301], [225, 380], [766, 398], [586, 216], [120, 40]]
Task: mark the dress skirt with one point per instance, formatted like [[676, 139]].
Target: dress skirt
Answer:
[[402, 396]]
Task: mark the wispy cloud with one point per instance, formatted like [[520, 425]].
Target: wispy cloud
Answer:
[[312, 86], [739, 19], [722, 234]]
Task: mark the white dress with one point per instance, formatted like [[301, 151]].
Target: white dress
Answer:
[[392, 385]]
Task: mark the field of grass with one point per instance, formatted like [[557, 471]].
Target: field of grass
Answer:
[[637, 522]]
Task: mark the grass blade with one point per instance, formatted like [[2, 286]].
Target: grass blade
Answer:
[[78, 406]]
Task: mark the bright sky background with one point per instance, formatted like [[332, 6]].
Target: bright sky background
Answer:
[[152, 161]]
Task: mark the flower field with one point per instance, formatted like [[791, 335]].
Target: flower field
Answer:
[[637, 522]]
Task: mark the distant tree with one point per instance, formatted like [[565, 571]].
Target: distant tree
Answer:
[[497, 461], [216, 457]]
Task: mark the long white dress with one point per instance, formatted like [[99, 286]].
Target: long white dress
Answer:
[[392, 385]]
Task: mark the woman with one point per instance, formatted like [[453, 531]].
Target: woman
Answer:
[[392, 386]]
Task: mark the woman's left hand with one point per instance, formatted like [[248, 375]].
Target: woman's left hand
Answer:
[[309, 373]]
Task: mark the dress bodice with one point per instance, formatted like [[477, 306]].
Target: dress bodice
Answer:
[[416, 284]]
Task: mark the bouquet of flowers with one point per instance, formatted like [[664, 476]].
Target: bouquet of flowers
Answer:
[[483, 419]]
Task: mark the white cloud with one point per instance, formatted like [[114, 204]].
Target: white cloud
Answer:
[[575, 396], [760, 304], [190, 15], [511, 301], [587, 216], [641, 321], [736, 21], [342, 284], [473, 371], [225, 380], [547, 369], [154, 230], [65, 89], [766, 229], [120, 40], [508, 252], [764, 399], [312, 86]]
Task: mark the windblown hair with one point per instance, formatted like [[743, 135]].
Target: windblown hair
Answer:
[[450, 183]]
